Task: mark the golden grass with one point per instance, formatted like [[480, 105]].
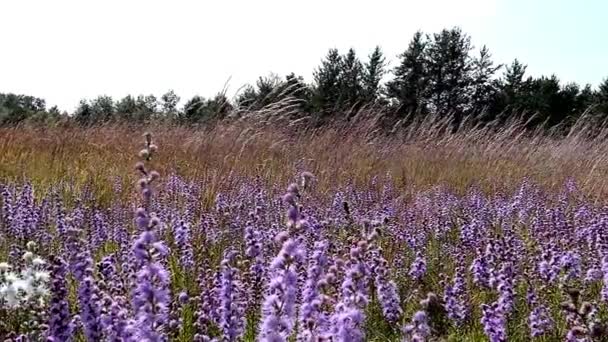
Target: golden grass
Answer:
[[417, 156]]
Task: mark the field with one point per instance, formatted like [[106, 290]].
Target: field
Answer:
[[247, 231]]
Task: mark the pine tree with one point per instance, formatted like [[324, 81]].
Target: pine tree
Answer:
[[247, 98], [484, 87], [169, 102], [295, 87], [147, 107], [326, 93], [193, 109], [268, 90], [602, 97], [126, 108], [83, 114], [350, 81], [514, 83], [408, 88], [373, 72], [102, 109], [449, 67]]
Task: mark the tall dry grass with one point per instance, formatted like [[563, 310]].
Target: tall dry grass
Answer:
[[421, 154]]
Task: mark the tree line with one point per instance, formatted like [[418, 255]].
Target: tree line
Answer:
[[440, 74]]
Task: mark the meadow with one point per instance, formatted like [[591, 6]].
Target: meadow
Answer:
[[275, 231]]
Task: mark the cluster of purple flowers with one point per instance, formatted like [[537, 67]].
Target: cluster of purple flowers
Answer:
[[194, 259]]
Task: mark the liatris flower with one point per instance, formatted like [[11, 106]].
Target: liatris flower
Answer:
[[605, 278], [454, 298], [99, 233], [506, 289], [494, 322], [387, 291], [90, 307], [59, 320], [7, 208], [232, 310], [88, 292], [116, 322], [540, 321], [311, 316], [593, 274], [176, 322], [184, 244], [418, 268], [253, 252], [349, 315], [206, 303], [481, 274], [278, 309], [115, 317], [150, 295], [347, 325], [455, 310], [571, 263], [418, 330], [549, 266], [577, 334]]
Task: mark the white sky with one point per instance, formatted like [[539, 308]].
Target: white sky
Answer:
[[65, 50]]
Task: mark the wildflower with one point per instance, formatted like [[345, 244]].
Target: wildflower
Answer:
[[418, 330], [311, 316], [278, 309], [231, 305], [418, 268]]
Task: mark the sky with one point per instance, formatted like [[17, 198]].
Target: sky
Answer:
[[64, 50]]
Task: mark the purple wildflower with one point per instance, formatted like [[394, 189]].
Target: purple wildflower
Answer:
[[278, 309], [605, 278], [494, 322], [347, 320], [232, 310], [418, 330], [184, 245], [418, 268], [311, 316], [540, 321], [387, 291], [59, 321]]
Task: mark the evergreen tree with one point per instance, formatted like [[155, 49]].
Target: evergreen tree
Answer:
[[83, 114], [408, 88], [373, 72], [17, 108], [102, 109], [602, 97], [585, 100], [326, 93], [294, 88], [350, 81], [449, 67], [147, 107], [193, 109], [484, 86], [217, 108], [126, 108], [268, 90], [199, 110], [513, 84], [247, 97], [169, 102]]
